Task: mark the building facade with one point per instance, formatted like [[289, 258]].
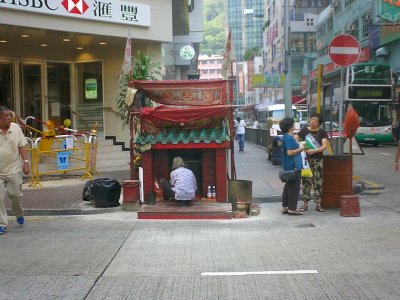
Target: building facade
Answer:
[[302, 43], [179, 63], [375, 24], [62, 59], [246, 20], [209, 67]]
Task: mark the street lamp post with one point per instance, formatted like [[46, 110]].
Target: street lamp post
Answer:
[[288, 63]]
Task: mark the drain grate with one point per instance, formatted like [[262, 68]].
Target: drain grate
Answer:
[[305, 225]]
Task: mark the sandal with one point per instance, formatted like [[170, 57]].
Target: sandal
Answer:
[[294, 213], [304, 208], [319, 208], [284, 210]]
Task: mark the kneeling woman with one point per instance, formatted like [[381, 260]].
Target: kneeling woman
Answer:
[[291, 159], [182, 186]]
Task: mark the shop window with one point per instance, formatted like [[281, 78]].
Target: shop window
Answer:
[[90, 82], [90, 96]]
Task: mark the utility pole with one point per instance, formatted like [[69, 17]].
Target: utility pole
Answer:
[[288, 63]]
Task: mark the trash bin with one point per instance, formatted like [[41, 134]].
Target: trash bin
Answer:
[[102, 192], [276, 156], [240, 191], [130, 190], [338, 179]]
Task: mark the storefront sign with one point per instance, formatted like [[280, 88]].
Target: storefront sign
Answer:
[[268, 80], [389, 10], [187, 52], [365, 55], [122, 12], [381, 35]]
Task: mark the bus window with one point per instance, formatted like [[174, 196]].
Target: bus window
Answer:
[[384, 113], [372, 113]]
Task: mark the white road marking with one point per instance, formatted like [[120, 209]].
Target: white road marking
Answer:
[[387, 154], [259, 273], [344, 50]]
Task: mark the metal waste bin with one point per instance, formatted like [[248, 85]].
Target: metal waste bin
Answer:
[[276, 156], [240, 191], [337, 180]]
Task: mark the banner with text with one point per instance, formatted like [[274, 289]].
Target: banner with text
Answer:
[[122, 12]]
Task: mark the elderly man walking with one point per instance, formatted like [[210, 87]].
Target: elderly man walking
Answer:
[[12, 147]]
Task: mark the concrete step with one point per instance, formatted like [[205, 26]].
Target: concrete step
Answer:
[[111, 157], [105, 147], [196, 211]]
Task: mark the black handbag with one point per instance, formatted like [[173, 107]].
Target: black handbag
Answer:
[[288, 176]]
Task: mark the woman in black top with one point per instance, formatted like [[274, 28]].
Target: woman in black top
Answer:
[[315, 161]]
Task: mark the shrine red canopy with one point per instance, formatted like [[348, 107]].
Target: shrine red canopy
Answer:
[[184, 92], [156, 118]]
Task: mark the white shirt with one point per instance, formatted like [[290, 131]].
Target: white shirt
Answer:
[[240, 127], [9, 153], [184, 184]]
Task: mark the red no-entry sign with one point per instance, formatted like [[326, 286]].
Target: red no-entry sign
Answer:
[[344, 50]]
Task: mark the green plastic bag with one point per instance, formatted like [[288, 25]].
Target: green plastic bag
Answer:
[[311, 142]]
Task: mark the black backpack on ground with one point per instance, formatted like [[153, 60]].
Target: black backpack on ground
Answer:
[[102, 192]]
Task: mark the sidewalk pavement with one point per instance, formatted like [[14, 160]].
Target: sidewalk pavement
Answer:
[[63, 196]]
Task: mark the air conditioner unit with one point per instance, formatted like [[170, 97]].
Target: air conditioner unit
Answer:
[[350, 27]]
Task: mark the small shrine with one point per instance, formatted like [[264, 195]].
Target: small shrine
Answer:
[[191, 119]]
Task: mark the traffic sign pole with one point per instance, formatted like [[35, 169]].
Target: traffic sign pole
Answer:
[[340, 147], [344, 50]]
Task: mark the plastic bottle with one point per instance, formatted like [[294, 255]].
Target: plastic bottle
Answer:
[[213, 192], [209, 195]]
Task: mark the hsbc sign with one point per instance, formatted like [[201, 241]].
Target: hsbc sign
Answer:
[[75, 7], [122, 12]]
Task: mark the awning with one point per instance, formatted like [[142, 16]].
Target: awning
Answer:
[[157, 118], [298, 99], [251, 107]]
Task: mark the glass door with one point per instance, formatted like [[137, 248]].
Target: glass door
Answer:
[[59, 92], [6, 83], [32, 92]]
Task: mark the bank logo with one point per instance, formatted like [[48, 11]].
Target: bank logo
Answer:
[[75, 6]]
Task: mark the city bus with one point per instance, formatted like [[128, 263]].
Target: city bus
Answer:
[[368, 87], [275, 111]]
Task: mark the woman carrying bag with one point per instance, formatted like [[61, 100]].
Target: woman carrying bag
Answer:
[[291, 159], [315, 159]]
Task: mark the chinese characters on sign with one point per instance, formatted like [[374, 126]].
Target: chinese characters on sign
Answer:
[[187, 52], [122, 12]]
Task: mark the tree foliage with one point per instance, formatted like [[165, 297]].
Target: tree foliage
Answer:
[[251, 53], [214, 27]]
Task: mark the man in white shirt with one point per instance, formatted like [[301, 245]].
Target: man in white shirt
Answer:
[[240, 130], [12, 148]]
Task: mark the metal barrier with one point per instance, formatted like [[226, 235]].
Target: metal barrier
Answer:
[[256, 136], [74, 155], [29, 150]]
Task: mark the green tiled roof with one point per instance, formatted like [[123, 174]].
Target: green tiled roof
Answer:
[[185, 136]]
